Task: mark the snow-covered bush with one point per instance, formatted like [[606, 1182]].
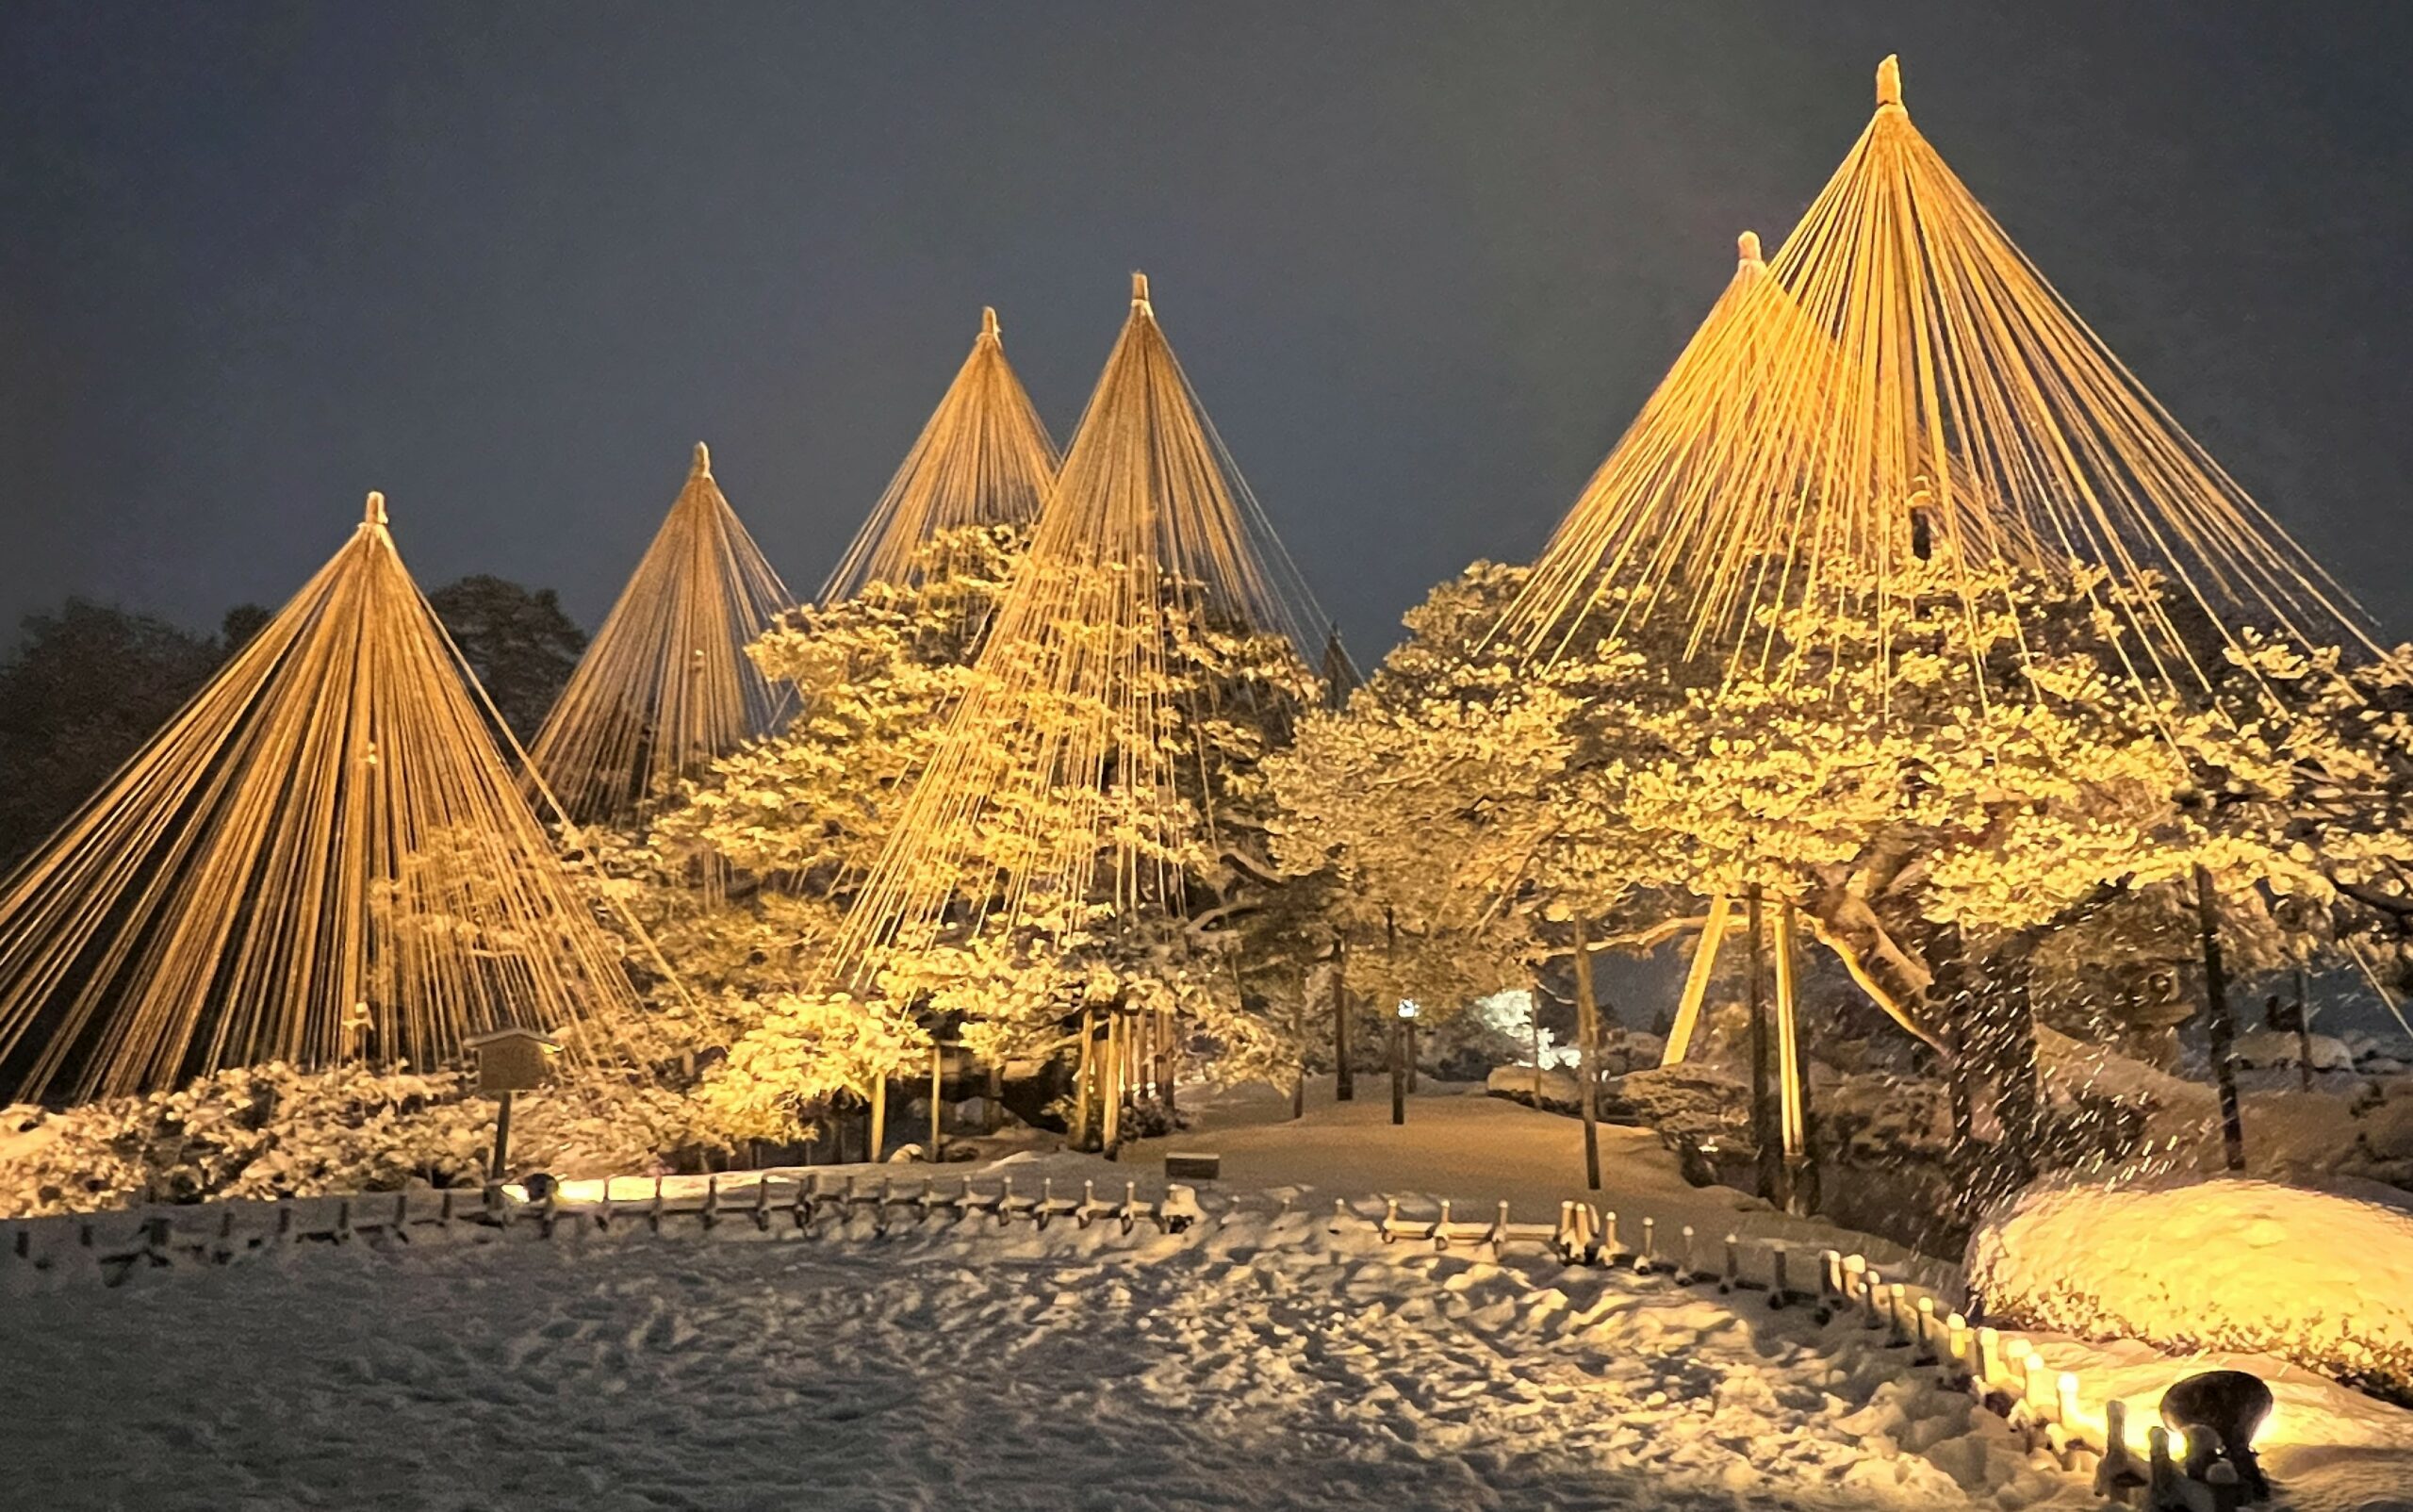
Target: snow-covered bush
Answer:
[[273, 1131], [2228, 1263]]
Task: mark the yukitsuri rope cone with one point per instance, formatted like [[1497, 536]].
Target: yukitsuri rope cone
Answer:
[[666, 685], [1898, 379], [322, 859], [1057, 795], [984, 458]]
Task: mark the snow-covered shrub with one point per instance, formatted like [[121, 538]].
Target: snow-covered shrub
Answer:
[[2227, 1263], [273, 1131]]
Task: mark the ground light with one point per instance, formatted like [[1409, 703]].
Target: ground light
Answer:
[[1402, 1065]]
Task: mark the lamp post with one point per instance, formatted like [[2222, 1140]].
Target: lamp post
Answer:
[[1402, 1025], [1407, 1012]]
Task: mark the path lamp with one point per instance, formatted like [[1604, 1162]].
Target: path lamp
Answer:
[[509, 1060], [1402, 1027]]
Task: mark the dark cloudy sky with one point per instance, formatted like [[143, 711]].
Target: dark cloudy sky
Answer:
[[1423, 261]]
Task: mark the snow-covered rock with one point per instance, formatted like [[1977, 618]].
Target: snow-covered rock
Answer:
[[1544, 1088], [2259, 1049], [2222, 1264]]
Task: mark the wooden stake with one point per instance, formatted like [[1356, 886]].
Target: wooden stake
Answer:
[[1680, 1035], [1299, 1037], [2207, 915], [1587, 1023]]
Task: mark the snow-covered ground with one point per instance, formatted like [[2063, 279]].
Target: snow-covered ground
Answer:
[[1260, 1359]]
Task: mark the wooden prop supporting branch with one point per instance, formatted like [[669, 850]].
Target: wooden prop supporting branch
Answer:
[[1680, 1036], [879, 1117], [1588, 1038], [2207, 915]]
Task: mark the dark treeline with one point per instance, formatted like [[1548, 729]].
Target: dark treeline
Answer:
[[88, 683]]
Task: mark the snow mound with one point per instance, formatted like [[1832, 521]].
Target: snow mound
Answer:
[[2276, 1048], [2324, 1280]]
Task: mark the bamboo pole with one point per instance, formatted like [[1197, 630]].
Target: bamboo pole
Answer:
[[1587, 1019], [1680, 1035]]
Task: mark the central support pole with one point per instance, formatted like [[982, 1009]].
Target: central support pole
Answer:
[[1588, 1041], [2208, 916], [1399, 1072]]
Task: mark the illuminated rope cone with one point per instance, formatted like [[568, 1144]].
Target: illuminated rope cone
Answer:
[[984, 458], [1901, 380], [1057, 789], [666, 685], [321, 859]]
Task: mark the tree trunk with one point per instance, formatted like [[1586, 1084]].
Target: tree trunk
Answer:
[[2207, 915], [1588, 1053], [992, 1116], [1344, 1086]]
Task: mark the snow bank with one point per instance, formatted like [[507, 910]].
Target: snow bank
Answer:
[[2322, 1280], [2278, 1049]]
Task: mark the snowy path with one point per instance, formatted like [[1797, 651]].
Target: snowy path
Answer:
[[1257, 1362]]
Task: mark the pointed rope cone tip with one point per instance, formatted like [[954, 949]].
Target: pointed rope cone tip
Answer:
[[1746, 247], [1889, 82], [989, 320], [374, 513], [1140, 290], [703, 460]]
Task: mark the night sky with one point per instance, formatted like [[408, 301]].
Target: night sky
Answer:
[[1423, 261]]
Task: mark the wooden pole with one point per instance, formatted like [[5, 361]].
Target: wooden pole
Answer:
[[502, 1140], [1534, 1019], [1116, 1038], [2207, 915], [1680, 1034], [878, 1117], [1083, 1078], [1399, 1071], [1345, 1085], [1800, 1176], [2304, 1032], [938, 1081], [1587, 1022], [1299, 1039], [1765, 1130], [1170, 1038], [992, 1117], [1411, 1054]]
